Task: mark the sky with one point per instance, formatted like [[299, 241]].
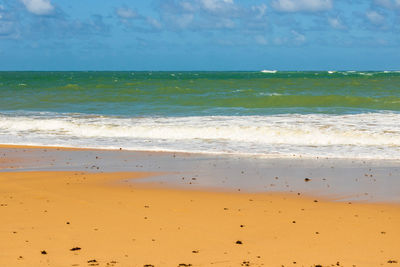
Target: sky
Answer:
[[199, 34]]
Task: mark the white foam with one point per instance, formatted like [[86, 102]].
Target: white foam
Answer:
[[374, 135], [391, 71], [269, 71]]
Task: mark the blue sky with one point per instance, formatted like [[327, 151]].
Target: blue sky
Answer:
[[199, 34]]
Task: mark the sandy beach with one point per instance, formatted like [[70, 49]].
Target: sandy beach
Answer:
[[184, 133], [88, 218]]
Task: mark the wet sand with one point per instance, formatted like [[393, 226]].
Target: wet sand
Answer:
[[334, 179], [88, 214]]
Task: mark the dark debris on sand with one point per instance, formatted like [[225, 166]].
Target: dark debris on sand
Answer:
[[93, 262]]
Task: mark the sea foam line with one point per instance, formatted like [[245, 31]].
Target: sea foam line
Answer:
[[312, 134]]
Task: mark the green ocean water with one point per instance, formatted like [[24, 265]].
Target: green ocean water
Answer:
[[199, 93], [341, 114]]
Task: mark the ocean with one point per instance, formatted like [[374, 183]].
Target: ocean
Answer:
[[335, 114]]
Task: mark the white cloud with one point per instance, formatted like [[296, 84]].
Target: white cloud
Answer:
[[302, 5], [184, 20], [388, 3], [154, 23], [205, 15], [187, 6], [38, 7], [374, 17], [126, 13], [261, 10], [298, 38], [225, 23], [213, 5], [293, 38], [336, 23], [261, 40]]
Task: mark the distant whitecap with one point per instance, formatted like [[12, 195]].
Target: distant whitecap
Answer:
[[269, 71]]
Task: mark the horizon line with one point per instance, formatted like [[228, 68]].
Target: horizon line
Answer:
[[177, 70]]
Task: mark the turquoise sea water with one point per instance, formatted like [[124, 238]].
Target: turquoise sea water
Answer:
[[200, 93], [335, 114]]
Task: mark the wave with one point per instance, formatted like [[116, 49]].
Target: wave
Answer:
[[269, 71], [366, 135], [365, 73]]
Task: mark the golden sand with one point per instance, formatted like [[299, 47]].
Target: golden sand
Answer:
[[100, 219]]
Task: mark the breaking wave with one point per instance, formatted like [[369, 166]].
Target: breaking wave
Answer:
[[366, 135]]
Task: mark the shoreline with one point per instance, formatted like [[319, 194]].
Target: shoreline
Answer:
[[223, 154]]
